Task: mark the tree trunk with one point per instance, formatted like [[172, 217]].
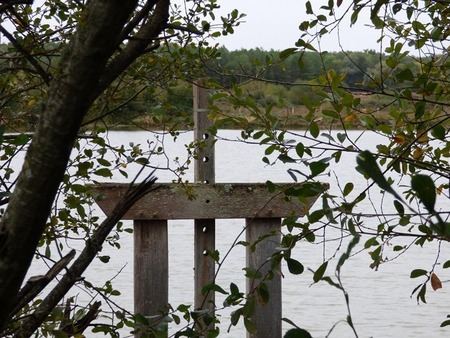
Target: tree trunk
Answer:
[[69, 99]]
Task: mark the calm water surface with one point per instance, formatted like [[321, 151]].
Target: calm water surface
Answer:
[[380, 300]]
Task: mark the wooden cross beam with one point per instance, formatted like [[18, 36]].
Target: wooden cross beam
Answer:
[[209, 201]]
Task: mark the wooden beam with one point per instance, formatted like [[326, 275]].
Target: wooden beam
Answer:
[[206, 201], [266, 317], [204, 229], [151, 269]]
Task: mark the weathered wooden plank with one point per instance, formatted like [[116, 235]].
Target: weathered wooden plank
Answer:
[[204, 229], [220, 200], [266, 317], [204, 166], [151, 269]]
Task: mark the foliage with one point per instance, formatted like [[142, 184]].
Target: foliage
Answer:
[[409, 168], [410, 160], [158, 46]]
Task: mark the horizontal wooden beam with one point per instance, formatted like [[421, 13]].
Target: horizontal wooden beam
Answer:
[[207, 201]]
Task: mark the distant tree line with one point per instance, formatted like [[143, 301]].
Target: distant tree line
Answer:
[[270, 77], [359, 67], [285, 78]]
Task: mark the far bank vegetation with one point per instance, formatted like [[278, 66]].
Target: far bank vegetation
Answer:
[[284, 84]]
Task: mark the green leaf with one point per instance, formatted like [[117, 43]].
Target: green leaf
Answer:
[[438, 132], [446, 265], [399, 207], [346, 255], [285, 158], [294, 266], [418, 272], [234, 289], [425, 189], [252, 273], [314, 129], [354, 16], [287, 320], [104, 259], [249, 307], [141, 319], [330, 113], [316, 215], [422, 293], [318, 167], [79, 188], [405, 75], [420, 109], [270, 149], [104, 172], [341, 137], [2, 132], [115, 293], [287, 52], [300, 149], [142, 160], [297, 333], [369, 167], [309, 236], [319, 272], [371, 242], [213, 287], [348, 188], [249, 326], [21, 139], [103, 162], [235, 315], [309, 8], [351, 227], [263, 293], [332, 283], [271, 187]]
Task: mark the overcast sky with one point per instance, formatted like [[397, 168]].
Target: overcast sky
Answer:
[[274, 25]]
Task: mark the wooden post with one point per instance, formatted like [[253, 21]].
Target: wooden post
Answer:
[[205, 229], [151, 266], [213, 201], [267, 317]]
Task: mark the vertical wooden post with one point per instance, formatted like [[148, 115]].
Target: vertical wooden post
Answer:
[[151, 266], [267, 317], [205, 231]]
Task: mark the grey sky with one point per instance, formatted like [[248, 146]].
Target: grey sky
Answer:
[[274, 25], [271, 24]]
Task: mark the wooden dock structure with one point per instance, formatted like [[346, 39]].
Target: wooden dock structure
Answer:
[[262, 210]]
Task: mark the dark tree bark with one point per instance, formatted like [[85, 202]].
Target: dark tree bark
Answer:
[[70, 96]]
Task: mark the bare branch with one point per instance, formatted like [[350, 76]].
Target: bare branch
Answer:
[[41, 71], [37, 283], [150, 30], [81, 324], [6, 4], [93, 246]]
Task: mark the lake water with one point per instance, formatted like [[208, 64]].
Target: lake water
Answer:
[[380, 300]]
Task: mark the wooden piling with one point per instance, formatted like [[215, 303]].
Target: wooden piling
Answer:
[[151, 269], [204, 229], [267, 317]]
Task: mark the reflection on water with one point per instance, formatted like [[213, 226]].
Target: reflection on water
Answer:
[[380, 300]]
